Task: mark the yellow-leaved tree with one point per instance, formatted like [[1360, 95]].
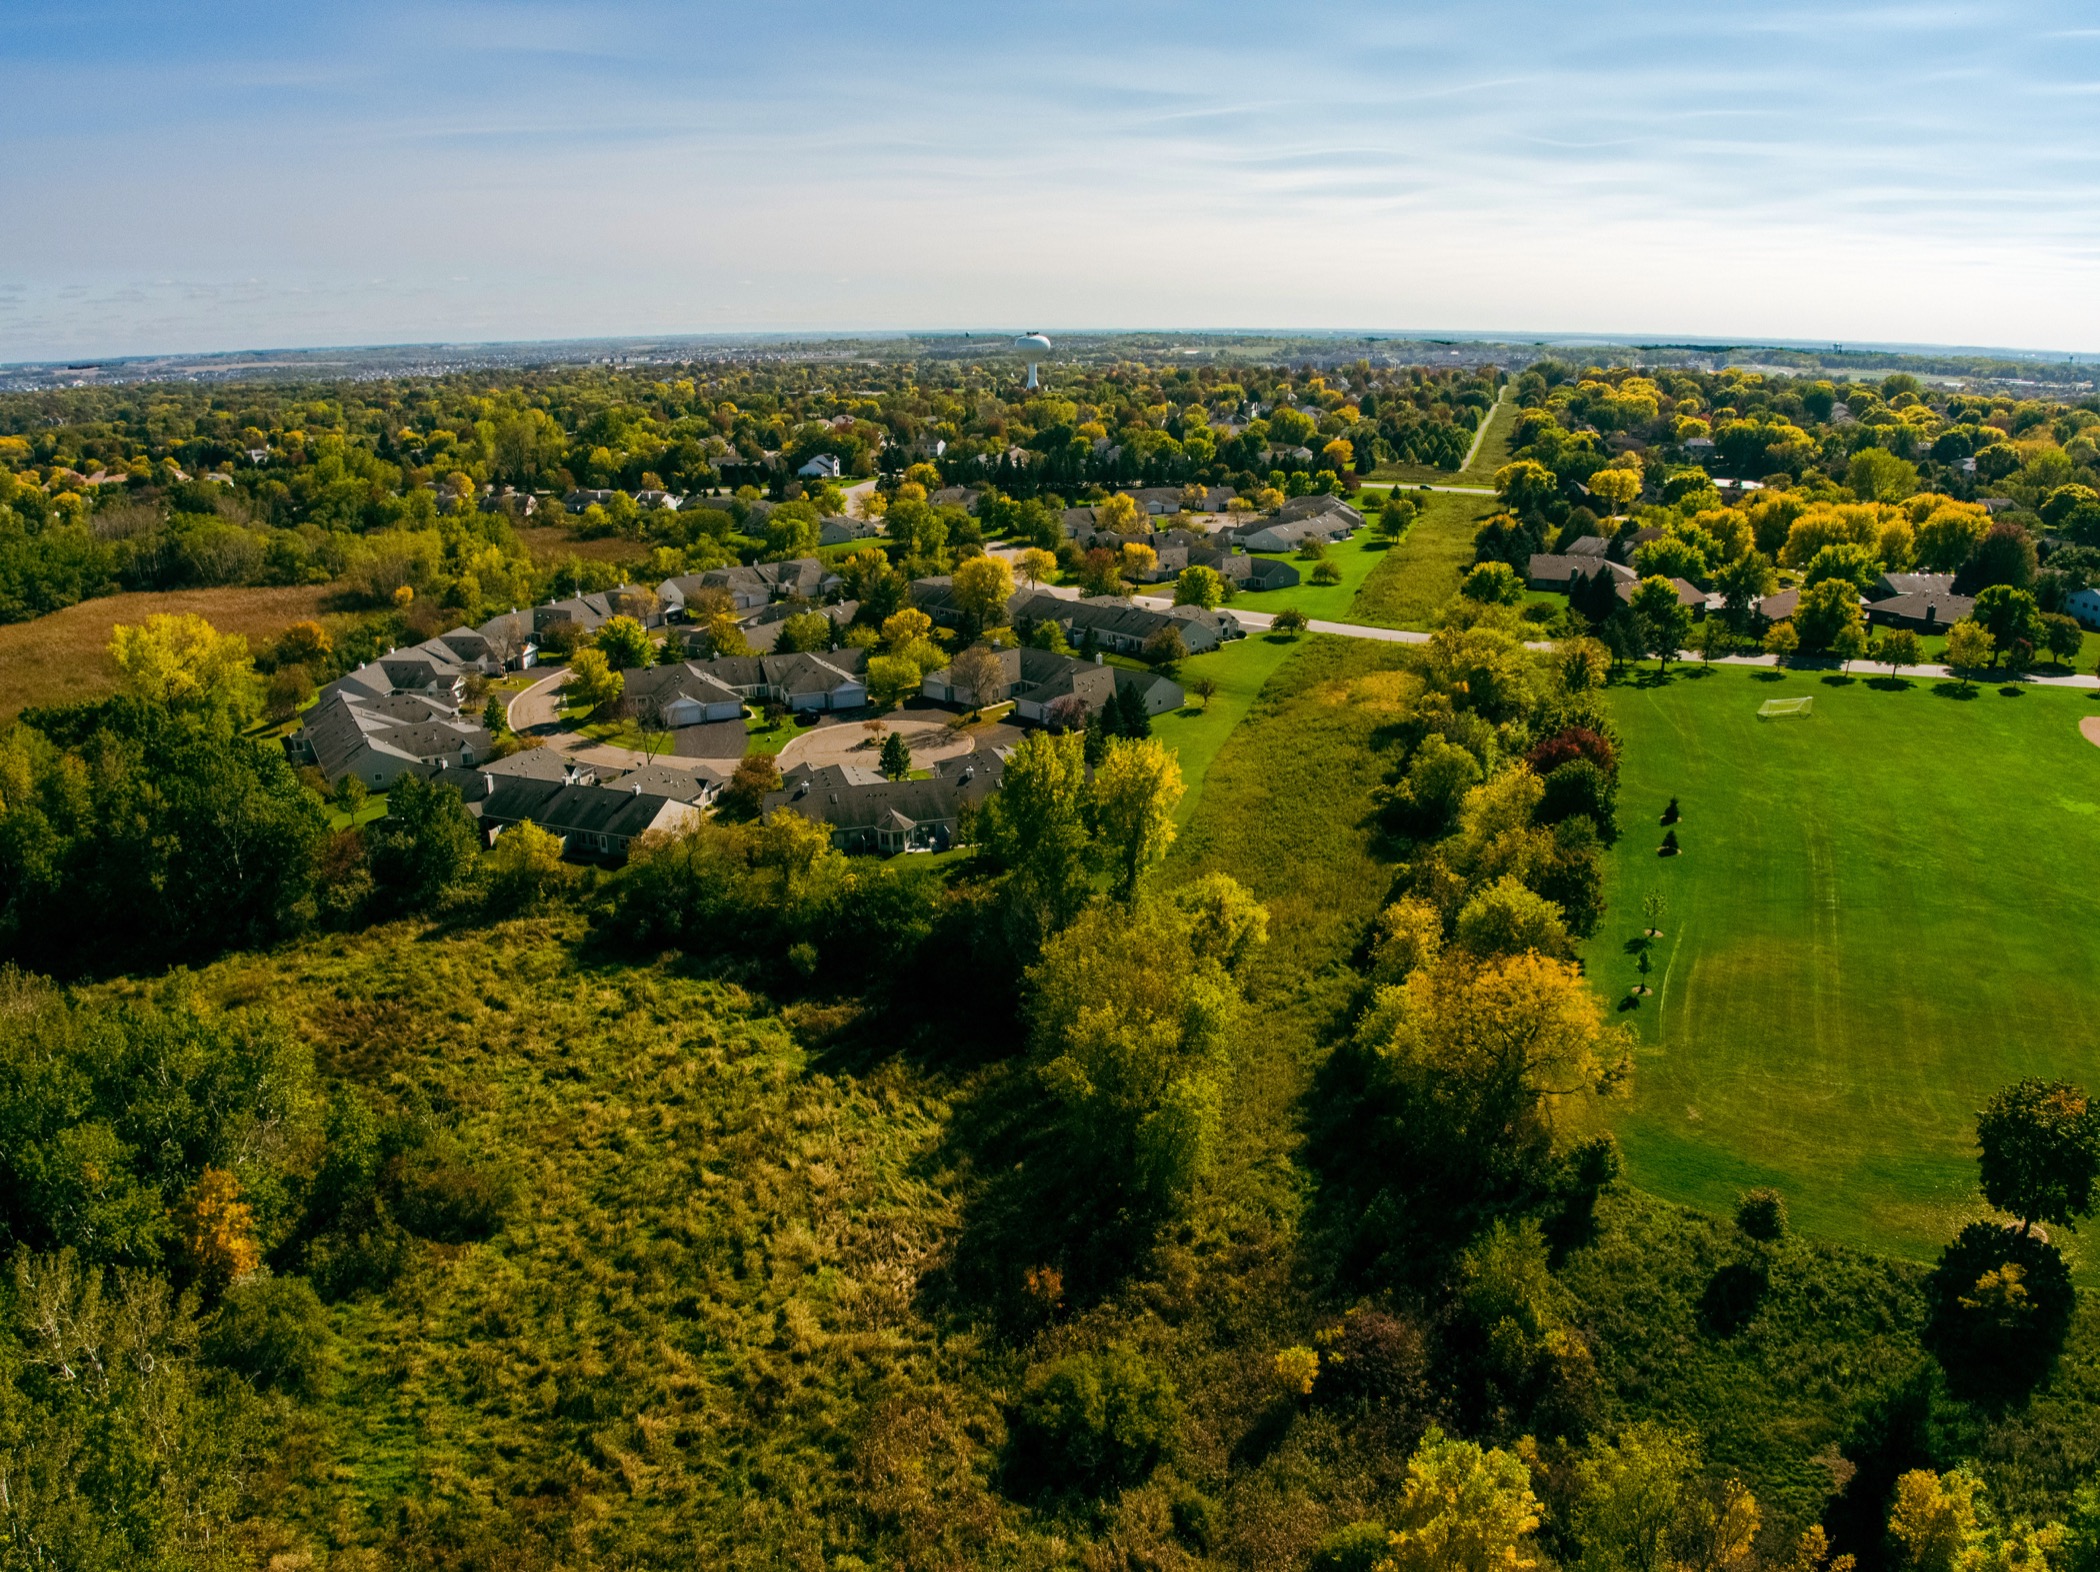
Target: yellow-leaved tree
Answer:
[[183, 660]]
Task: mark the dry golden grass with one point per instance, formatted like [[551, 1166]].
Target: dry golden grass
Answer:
[[64, 657], [549, 543]]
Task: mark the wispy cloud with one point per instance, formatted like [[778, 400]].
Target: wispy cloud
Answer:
[[332, 172]]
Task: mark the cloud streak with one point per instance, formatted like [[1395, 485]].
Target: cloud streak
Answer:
[[331, 173]]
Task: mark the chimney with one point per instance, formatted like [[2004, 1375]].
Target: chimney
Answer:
[[635, 790], [488, 783]]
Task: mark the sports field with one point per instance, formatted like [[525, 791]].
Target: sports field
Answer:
[[1883, 911]]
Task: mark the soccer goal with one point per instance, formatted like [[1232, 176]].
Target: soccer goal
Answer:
[[1772, 707]]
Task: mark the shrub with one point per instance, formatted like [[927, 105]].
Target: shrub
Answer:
[[1374, 1358], [1580, 788], [1761, 1214], [1093, 1423], [274, 1331], [1290, 620], [1359, 1547]]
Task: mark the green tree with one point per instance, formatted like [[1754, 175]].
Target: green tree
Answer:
[[1823, 612], [1508, 919], [1094, 1423], [1876, 475], [1134, 795], [1199, 586], [624, 643], [593, 684], [2010, 616], [1035, 828], [2063, 638], [892, 679], [1850, 644], [1526, 486], [1290, 622], [1135, 1014], [183, 661], [805, 630], [423, 846], [1969, 648], [896, 756], [2039, 1144], [1665, 621], [755, 775], [1629, 1495], [1898, 648], [495, 716], [982, 587], [1493, 584], [1743, 583]]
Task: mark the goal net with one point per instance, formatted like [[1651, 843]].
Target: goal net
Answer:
[[1772, 707]]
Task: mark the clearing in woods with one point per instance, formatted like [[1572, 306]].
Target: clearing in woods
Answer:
[[1884, 910]]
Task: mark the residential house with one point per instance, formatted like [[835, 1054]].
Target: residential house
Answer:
[[2084, 605], [508, 637], [1557, 572], [1928, 611], [585, 613], [866, 812], [825, 466], [964, 497], [751, 585], [839, 530], [381, 737], [762, 627], [936, 597], [834, 680], [1779, 607], [1045, 686], [687, 694], [597, 822], [1119, 626], [1325, 519]]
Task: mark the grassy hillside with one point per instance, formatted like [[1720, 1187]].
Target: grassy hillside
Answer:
[[1883, 912]]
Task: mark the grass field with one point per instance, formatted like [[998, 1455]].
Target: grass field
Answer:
[[1883, 912], [1417, 576], [1195, 732], [61, 659], [550, 543], [1358, 558]]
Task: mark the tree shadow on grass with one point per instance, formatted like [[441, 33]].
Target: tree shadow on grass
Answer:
[[1838, 679], [1890, 684], [1950, 689], [1768, 674], [2013, 690]]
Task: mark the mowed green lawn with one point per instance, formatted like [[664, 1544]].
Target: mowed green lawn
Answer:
[[1883, 912], [1195, 731]]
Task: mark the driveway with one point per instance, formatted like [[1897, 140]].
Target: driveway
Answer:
[[926, 732], [536, 713]]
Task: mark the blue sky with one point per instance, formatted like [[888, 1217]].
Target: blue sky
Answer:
[[184, 177]]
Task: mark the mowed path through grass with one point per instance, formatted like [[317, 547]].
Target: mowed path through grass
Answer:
[[1883, 912]]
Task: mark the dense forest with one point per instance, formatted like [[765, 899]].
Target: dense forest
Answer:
[[1129, 1188]]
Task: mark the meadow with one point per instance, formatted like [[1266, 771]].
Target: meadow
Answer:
[[63, 658], [1417, 576], [1883, 912]]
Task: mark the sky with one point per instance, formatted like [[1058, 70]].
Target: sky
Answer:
[[183, 177]]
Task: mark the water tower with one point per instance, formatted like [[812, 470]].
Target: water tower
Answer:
[[1032, 345]]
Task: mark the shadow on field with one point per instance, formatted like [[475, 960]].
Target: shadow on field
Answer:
[[1950, 689], [1890, 684], [1838, 679], [1767, 674]]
